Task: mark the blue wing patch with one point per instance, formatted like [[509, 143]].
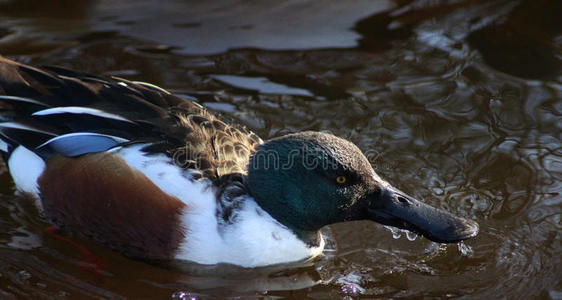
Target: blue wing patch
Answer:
[[75, 144]]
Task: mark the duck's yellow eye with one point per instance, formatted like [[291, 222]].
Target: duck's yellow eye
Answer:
[[341, 179]]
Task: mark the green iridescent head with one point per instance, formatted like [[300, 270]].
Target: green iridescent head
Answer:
[[311, 179]]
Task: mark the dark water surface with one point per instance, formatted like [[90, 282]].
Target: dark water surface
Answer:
[[460, 100]]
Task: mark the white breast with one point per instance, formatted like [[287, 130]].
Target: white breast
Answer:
[[255, 239]]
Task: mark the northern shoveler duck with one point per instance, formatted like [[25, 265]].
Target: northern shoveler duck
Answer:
[[157, 176]]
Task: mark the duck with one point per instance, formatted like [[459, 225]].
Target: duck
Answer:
[[156, 176]]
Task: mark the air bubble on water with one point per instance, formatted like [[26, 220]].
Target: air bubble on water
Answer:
[[183, 296], [350, 283], [62, 294], [465, 249], [396, 234], [41, 285], [24, 275]]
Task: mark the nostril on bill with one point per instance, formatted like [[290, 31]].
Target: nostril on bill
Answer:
[[403, 200]]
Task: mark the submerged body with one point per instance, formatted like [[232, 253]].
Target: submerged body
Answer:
[[156, 176]]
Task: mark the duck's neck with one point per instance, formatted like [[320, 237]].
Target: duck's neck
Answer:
[[310, 237], [234, 186]]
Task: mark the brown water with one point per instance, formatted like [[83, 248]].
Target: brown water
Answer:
[[461, 102]]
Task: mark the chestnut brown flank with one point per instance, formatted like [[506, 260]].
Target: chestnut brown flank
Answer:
[[99, 197]]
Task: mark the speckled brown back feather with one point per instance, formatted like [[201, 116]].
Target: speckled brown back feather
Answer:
[[182, 129]]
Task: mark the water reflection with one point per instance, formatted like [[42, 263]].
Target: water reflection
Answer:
[[459, 99]]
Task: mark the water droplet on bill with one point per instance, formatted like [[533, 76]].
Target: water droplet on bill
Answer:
[[395, 232], [465, 249], [411, 236]]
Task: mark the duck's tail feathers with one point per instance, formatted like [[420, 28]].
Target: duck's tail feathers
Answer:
[[28, 139], [59, 111], [14, 134], [65, 130]]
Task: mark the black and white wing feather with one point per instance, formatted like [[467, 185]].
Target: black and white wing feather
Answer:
[[53, 110]]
